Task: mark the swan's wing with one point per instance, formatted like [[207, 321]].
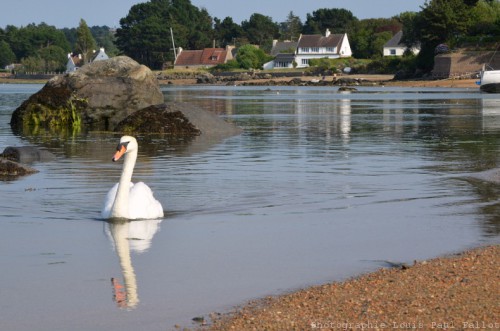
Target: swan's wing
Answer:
[[142, 203], [108, 202]]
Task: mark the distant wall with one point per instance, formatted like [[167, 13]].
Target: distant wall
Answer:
[[461, 64]]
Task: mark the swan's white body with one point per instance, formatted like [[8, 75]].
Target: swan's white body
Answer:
[[124, 199]]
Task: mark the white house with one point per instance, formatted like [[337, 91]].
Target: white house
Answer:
[[394, 47], [75, 61], [101, 55], [331, 46]]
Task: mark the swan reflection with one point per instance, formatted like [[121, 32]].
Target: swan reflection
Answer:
[[127, 236]]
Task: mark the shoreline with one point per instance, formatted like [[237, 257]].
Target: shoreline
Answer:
[[368, 80], [371, 80], [457, 292]]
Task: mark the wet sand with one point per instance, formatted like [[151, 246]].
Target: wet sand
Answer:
[[460, 292]]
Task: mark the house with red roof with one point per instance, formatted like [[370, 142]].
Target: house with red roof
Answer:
[[205, 58]]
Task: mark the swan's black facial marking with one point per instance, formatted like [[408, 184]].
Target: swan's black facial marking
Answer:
[[123, 144]]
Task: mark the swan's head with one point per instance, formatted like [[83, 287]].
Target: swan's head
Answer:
[[127, 144]]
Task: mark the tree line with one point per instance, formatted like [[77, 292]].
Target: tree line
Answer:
[[145, 33]]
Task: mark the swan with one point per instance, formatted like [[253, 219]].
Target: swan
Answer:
[[125, 199]]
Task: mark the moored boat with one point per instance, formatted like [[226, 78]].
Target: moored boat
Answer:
[[490, 81]]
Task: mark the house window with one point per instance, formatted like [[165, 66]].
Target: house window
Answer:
[[315, 49], [393, 51], [213, 58], [330, 49], [305, 50], [305, 61]]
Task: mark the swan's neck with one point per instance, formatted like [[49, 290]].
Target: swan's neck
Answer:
[[121, 204]]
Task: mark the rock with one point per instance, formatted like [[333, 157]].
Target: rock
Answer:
[[10, 169], [27, 154], [179, 119], [344, 81], [97, 96], [347, 89], [206, 79]]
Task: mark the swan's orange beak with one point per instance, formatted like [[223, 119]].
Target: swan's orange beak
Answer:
[[120, 150]]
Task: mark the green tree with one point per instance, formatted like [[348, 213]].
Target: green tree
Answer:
[[7, 56], [440, 21], [291, 28], [85, 43], [144, 34], [485, 18], [227, 32], [260, 30], [32, 64], [337, 20], [251, 57], [410, 34], [367, 37], [27, 41], [379, 40], [53, 59], [105, 38]]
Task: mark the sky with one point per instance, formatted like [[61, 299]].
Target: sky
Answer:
[[63, 13]]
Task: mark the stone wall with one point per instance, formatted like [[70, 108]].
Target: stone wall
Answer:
[[463, 63]]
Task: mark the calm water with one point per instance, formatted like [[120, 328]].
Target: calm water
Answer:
[[320, 186]]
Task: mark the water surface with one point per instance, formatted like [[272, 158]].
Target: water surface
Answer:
[[320, 186]]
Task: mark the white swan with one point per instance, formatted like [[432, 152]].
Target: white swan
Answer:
[[124, 199]]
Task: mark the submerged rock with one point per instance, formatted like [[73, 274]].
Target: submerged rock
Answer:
[[347, 89], [177, 119], [27, 154], [98, 96], [10, 169]]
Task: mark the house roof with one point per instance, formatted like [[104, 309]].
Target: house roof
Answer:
[[395, 41], [317, 40], [283, 46], [101, 55], [285, 57], [207, 56]]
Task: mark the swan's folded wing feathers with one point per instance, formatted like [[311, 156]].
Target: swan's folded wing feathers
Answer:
[[108, 202], [143, 204]]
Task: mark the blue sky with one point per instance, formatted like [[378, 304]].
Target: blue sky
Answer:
[[63, 13]]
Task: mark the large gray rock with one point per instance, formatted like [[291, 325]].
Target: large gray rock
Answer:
[[99, 95]]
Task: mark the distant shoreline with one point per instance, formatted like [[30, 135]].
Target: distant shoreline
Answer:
[[385, 80]]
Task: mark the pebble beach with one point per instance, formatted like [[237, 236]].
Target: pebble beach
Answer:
[[459, 292]]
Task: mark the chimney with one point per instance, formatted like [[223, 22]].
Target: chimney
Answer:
[[327, 32]]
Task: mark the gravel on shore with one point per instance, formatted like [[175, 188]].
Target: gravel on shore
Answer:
[[459, 292]]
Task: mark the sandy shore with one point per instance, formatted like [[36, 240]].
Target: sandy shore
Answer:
[[460, 292]]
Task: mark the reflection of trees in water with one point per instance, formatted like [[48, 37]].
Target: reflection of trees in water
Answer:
[[128, 236]]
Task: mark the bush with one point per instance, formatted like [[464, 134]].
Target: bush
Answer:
[[390, 65]]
